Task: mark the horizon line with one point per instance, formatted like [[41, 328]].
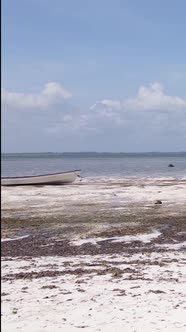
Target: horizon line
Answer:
[[93, 152]]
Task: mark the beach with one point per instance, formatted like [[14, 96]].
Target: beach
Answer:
[[102, 254]]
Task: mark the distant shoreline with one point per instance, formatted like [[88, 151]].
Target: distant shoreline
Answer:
[[98, 154]]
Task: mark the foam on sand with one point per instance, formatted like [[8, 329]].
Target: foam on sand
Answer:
[[145, 238], [14, 239]]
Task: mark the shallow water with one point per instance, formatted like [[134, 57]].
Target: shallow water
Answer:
[[96, 165]]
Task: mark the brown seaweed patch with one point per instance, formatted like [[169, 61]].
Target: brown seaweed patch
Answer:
[[49, 287], [156, 291]]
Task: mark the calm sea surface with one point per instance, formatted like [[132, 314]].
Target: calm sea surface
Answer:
[[96, 164]]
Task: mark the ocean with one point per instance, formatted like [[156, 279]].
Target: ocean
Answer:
[[96, 164]]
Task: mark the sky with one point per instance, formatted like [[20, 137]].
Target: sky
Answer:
[[102, 75]]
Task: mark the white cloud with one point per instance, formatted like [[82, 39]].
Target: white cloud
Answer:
[[150, 98], [52, 93], [152, 120], [106, 110], [151, 110], [69, 124], [67, 118], [153, 98], [109, 103], [150, 107]]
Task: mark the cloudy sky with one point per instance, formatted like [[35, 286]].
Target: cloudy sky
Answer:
[[102, 75]]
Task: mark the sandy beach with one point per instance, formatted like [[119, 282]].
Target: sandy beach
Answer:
[[103, 254]]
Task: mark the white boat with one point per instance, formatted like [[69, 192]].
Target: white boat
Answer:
[[46, 179]]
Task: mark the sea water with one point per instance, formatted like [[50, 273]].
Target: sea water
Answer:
[[96, 164]]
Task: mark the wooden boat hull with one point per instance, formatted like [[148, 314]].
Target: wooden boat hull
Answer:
[[48, 179]]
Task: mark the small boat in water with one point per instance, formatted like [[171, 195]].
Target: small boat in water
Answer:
[[46, 179]]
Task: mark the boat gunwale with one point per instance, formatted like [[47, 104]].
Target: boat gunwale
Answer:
[[41, 175]]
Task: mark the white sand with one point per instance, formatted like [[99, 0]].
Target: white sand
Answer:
[[115, 194], [152, 298]]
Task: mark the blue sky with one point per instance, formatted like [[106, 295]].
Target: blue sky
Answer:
[[93, 75]]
